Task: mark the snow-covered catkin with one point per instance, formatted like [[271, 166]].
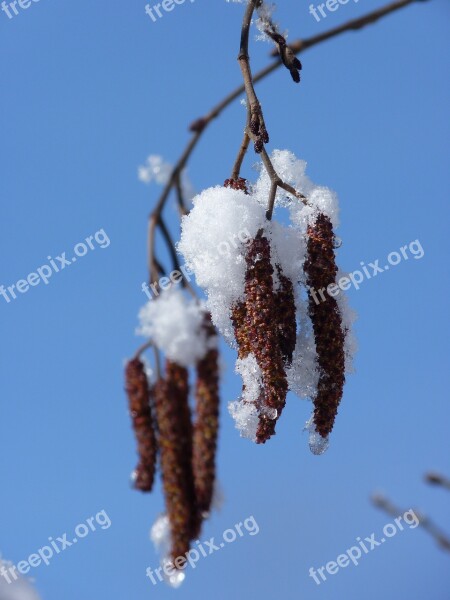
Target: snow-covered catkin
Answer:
[[175, 442], [287, 325], [139, 395], [321, 270], [206, 423], [238, 318], [261, 319]]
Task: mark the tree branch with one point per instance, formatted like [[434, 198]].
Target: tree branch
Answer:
[[200, 125], [352, 25], [437, 479], [439, 536]]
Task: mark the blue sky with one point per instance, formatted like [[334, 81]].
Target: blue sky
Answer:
[[89, 90]]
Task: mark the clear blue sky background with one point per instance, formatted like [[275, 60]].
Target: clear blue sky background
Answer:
[[89, 89]]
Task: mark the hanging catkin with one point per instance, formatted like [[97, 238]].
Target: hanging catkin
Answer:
[[287, 325], [139, 396], [329, 335], [261, 330], [207, 421], [175, 442]]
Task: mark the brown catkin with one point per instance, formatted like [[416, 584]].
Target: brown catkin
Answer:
[[261, 321], [175, 442], [206, 422], [238, 318], [139, 395], [287, 324], [266, 427], [329, 335]]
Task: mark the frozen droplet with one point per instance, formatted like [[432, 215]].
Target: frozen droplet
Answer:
[[160, 534], [176, 577], [132, 480], [269, 412], [172, 576], [318, 444]]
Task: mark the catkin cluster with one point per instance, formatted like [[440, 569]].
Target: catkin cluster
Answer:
[[265, 326], [282, 342], [187, 449]]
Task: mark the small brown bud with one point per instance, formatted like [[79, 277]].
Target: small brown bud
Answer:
[[236, 184], [264, 135], [198, 125], [255, 124], [287, 55], [258, 145]]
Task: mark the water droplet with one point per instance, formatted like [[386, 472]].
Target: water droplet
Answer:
[[132, 480], [160, 534], [172, 576], [176, 579], [318, 444], [337, 242], [269, 412]]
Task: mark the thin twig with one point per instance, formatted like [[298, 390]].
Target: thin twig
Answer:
[[154, 217], [425, 522], [142, 349], [253, 104], [170, 244], [256, 129], [145, 347], [240, 157], [299, 46], [160, 267], [176, 263], [172, 251], [437, 479], [180, 196], [152, 262], [201, 124], [352, 25]]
